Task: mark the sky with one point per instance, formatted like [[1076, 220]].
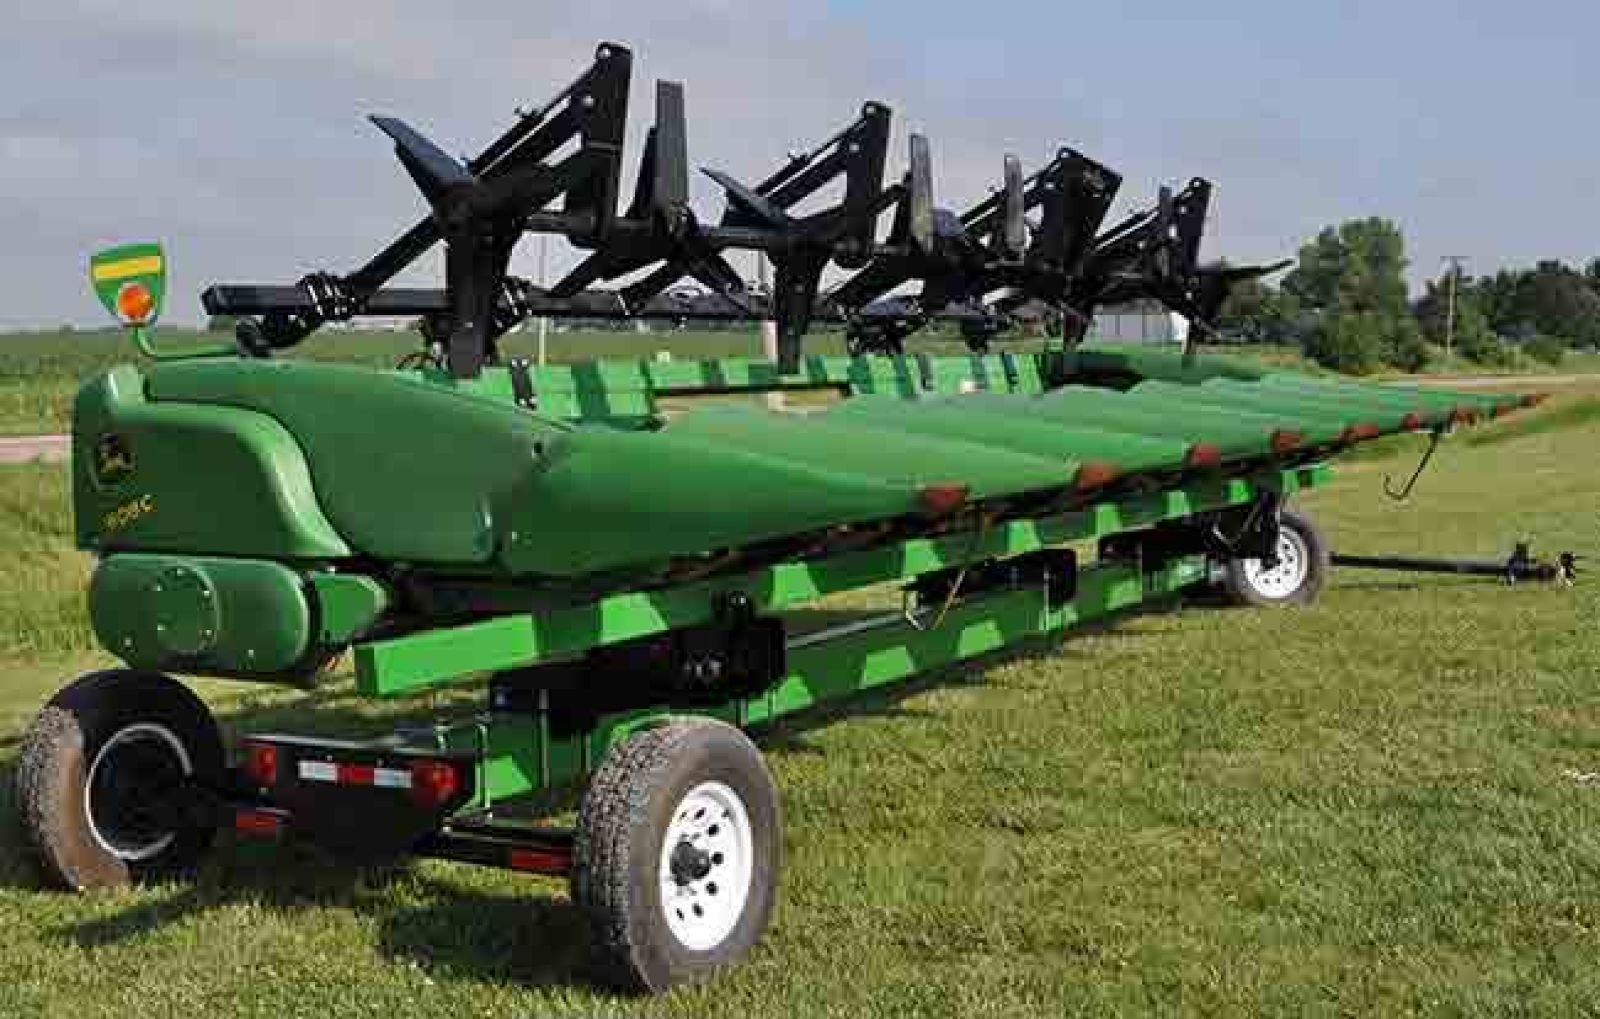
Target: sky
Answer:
[[235, 132]]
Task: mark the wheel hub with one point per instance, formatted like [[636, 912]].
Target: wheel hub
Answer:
[[690, 863], [1288, 574], [129, 783], [707, 866]]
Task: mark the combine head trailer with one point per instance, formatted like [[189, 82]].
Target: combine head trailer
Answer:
[[624, 581]]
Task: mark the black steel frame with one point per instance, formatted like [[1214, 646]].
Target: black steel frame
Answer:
[[558, 169]]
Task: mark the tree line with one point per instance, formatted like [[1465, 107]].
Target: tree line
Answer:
[[1346, 304]]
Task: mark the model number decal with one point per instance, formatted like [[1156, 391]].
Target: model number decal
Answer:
[[130, 511]]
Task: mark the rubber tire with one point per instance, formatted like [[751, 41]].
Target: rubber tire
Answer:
[[622, 821], [1239, 589], [57, 752]]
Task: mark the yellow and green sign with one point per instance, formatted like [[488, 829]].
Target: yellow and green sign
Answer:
[[131, 281]]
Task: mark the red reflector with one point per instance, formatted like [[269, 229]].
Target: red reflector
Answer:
[[1204, 454], [1411, 422], [1284, 441], [355, 774], [257, 822], [943, 500], [135, 302], [541, 861], [261, 763], [1362, 432], [1095, 474], [434, 783]]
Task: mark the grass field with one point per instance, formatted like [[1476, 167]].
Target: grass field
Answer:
[[1388, 804]]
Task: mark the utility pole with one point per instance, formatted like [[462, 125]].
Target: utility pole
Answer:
[[544, 320], [769, 327], [1454, 275]]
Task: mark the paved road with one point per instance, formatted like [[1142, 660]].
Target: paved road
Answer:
[[1494, 381], [24, 449]]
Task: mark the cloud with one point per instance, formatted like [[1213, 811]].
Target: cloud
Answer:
[[235, 132]]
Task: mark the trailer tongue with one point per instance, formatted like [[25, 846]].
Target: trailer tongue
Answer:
[[623, 579]]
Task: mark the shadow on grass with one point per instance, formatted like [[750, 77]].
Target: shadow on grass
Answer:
[[528, 936], [452, 930]]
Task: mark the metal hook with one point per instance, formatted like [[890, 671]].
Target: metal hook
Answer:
[[1405, 492]]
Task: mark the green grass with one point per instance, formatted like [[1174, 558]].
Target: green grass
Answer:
[[1388, 804]]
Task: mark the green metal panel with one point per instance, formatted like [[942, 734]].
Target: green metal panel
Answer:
[[1435, 408], [952, 418], [630, 391], [1426, 413], [1353, 411], [609, 500], [1164, 364], [1289, 410], [833, 444], [1488, 403], [1027, 369], [347, 605], [185, 613], [407, 470], [406, 665], [159, 477], [1237, 435], [1441, 404], [520, 756]]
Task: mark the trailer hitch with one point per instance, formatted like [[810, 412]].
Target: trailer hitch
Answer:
[[1521, 565], [1405, 491]]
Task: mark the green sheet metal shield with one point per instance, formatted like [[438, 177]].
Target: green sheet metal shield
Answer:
[[131, 281]]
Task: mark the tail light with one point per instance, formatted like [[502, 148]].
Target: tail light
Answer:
[[434, 783], [259, 823], [261, 763]]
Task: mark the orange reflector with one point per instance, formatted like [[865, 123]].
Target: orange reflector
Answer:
[[540, 861], [1463, 415], [261, 763], [434, 783], [943, 500], [257, 822], [135, 302], [1095, 474], [1204, 454], [1534, 399], [1284, 441]]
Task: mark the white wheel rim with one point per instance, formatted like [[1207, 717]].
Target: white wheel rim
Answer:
[[1289, 575], [707, 863], [142, 731]]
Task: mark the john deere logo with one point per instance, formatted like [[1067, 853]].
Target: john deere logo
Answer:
[[113, 460]]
